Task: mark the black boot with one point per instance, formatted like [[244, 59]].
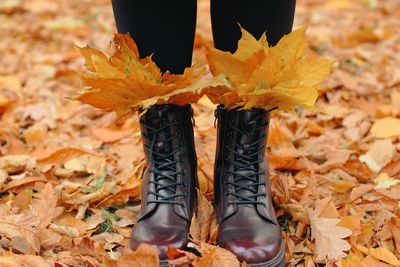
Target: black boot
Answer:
[[170, 181], [247, 221]]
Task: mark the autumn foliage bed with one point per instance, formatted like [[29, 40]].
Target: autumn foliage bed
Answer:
[[70, 175]]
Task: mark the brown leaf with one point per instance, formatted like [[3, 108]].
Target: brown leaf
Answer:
[[62, 155], [360, 191], [26, 181], [13, 260], [394, 226], [352, 222], [328, 236], [144, 256], [180, 258], [111, 134], [379, 154], [49, 239], [213, 256], [23, 200], [298, 212], [202, 220], [22, 225], [44, 205]]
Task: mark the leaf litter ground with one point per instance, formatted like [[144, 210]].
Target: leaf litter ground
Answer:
[[70, 175]]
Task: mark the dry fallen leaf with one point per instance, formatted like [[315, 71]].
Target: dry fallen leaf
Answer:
[[354, 260], [13, 260], [201, 222], [180, 258], [213, 256], [328, 236], [383, 181], [144, 256], [379, 154], [20, 225], [386, 127], [44, 206], [384, 255]]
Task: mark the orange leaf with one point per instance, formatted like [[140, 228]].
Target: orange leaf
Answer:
[[384, 255], [179, 257], [328, 236], [202, 220], [110, 134], [62, 155], [125, 83], [213, 256], [44, 206], [144, 256]]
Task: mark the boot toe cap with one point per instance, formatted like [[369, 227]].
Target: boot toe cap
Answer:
[[161, 238], [252, 247]]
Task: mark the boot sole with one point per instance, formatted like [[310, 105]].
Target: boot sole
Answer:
[[278, 261], [163, 263]]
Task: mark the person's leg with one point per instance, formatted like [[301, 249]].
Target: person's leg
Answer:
[[256, 16], [247, 223], [165, 28]]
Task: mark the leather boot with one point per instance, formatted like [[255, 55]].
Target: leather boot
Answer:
[[170, 181], [247, 222]]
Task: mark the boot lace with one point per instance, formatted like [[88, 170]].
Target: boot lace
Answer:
[[245, 163], [163, 163]]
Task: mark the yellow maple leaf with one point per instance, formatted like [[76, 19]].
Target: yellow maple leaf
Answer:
[[125, 83], [268, 77]]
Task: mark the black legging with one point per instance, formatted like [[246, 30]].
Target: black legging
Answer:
[[166, 27]]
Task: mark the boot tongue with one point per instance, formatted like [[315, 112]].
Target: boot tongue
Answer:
[[160, 118], [247, 124]]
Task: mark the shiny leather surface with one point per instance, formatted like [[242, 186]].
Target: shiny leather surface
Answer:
[[165, 224], [250, 231]]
